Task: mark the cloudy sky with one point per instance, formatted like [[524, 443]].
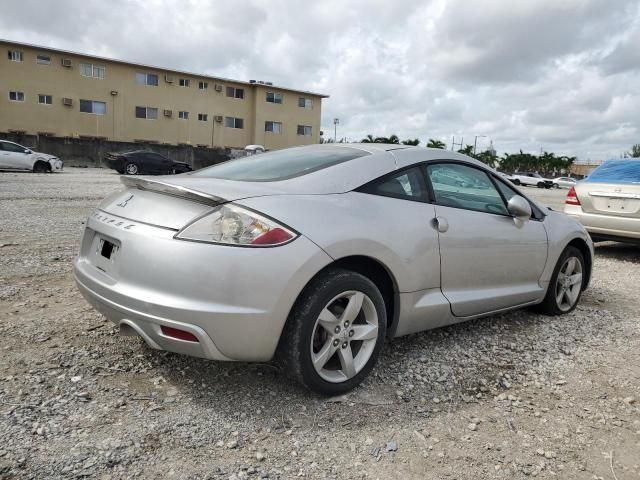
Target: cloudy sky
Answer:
[[561, 75]]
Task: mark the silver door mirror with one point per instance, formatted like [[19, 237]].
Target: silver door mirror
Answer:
[[27, 151], [519, 207]]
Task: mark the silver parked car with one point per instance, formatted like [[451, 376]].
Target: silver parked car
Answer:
[[14, 156], [607, 203], [564, 182], [316, 254]]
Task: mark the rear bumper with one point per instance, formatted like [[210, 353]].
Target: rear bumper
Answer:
[[149, 326], [234, 300], [606, 227]]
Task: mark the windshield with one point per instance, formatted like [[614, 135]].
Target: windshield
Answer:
[[617, 171], [281, 164]]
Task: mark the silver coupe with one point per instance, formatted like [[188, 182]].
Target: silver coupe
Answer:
[[317, 254]]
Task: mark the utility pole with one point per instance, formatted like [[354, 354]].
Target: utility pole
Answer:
[[336, 121], [475, 142], [454, 144]]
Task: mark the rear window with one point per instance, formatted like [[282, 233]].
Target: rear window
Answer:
[[616, 171], [281, 164]]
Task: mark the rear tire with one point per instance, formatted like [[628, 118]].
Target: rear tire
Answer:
[[334, 332], [131, 169], [516, 182], [565, 288], [540, 185]]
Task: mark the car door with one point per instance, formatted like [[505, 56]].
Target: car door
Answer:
[[16, 156], [164, 164], [4, 157], [489, 261]]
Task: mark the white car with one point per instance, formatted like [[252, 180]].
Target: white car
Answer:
[[564, 182], [14, 156], [531, 179]]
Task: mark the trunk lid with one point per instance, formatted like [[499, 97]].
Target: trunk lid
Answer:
[[162, 202], [618, 199], [172, 202]]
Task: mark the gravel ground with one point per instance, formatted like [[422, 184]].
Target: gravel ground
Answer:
[[505, 397]]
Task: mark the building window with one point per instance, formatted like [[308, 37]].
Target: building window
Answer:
[[91, 106], [184, 82], [203, 85], [45, 99], [273, 127], [147, 79], [203, 117], [304, 130], [305, 102], [273, 97], [234, 92], [183, 115], [149, 113], [233, 122], [43, 59], [16, 96], [91, 70], [16, 55]]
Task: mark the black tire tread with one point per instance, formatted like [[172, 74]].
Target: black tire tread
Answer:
[[549, 305], [290, 353]]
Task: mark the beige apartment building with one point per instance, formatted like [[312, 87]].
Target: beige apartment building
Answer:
[[52, 92]]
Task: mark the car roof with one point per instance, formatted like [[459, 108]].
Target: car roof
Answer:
[[338, 178]]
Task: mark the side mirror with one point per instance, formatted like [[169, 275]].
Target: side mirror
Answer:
[[519, 208], [27, 151]]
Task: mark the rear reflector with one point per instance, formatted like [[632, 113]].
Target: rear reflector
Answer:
[[572, 197], [179, 334]]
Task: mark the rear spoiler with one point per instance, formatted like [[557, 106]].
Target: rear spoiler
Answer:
[[174, 190]]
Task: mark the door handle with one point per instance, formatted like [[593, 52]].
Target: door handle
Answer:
[[441, 224]]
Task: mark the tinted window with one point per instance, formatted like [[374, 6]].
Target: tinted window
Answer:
[[616, 171], [12, 147], [459, 186], [281, 165], [408, 184]]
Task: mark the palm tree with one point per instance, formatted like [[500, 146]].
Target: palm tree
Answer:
[[414, 142], [369, 139], [467, 150], [433, 143]]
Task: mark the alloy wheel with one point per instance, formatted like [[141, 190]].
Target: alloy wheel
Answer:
[[132, 169], [344, 336], [569, 284]]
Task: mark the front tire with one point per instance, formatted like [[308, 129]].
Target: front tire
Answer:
[[334, 332], [41, 167], [516, 182], [540, 185], [565, 287]]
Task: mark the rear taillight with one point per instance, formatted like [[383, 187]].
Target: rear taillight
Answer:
[[231, 224], [572, 197]]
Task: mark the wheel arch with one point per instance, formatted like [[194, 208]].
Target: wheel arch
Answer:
[[47, 165], [582, 245], [375, 271]]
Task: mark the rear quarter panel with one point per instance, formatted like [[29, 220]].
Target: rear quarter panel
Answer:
[[397, 233], [561, 230]]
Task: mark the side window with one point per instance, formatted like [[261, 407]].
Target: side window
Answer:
[[507, 192], [460, 186], [408, 184], [12, 147]]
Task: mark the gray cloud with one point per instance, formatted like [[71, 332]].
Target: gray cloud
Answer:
[[531, 74]]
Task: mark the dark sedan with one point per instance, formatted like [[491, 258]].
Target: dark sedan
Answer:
[[144, 162]]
